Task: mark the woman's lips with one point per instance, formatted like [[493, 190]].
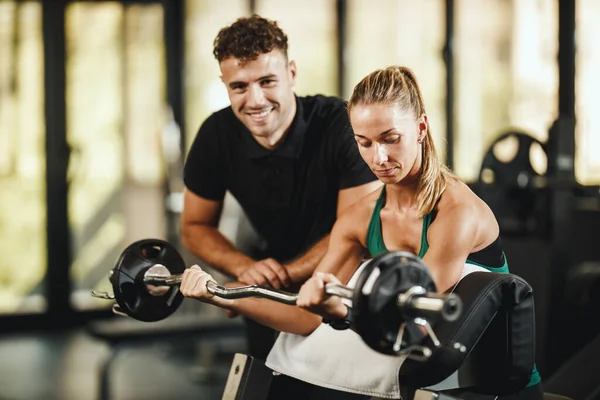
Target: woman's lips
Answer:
[[385, 172]]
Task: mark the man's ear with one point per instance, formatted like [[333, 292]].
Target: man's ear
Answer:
[[293, 70]]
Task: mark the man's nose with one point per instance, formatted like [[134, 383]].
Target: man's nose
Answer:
[[380, 154], [256, 96]]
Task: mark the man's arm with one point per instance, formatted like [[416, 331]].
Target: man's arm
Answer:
[[302, 268], [201, 236], [205, 188]]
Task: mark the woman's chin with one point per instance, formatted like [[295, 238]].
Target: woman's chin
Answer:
[[389, 180]]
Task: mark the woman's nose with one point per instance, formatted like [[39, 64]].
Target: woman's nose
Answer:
[[380, 155]]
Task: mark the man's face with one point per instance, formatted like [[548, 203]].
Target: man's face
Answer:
[[261, 94]]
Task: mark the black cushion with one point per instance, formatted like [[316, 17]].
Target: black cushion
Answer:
[[550, 396], [497, 330]]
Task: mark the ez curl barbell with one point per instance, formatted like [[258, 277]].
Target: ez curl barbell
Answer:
[[393, 295]]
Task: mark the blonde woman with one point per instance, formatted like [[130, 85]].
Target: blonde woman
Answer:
[[423, 208]]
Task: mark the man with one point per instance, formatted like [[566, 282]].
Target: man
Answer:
[[291, 162]]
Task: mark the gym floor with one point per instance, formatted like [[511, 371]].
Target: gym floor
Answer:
[[67, 365]]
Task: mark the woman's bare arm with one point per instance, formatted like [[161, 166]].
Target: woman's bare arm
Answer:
[[279, 316], [346, 251], [452, 238], [347, 242]]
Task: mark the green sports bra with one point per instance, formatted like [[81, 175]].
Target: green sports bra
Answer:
[[491, 258], [375, 242]]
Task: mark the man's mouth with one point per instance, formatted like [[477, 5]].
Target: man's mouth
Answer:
[[259, 116]]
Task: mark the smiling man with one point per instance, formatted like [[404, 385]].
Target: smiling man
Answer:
[[291, 162]]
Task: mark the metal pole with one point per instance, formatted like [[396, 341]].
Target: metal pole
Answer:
[[561, 166], [58, 283], [448, 54], [341, 14]]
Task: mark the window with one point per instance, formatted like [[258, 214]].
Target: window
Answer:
[[22, 159], [115, 114], [312, 39], [587, 93], [205, 93], [392, 32], [506, 74]]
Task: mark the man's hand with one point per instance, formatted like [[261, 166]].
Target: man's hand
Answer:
[[312, 297], [266, 272]]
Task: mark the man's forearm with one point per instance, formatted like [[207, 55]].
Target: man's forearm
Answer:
[[303, 267], [216, 250]]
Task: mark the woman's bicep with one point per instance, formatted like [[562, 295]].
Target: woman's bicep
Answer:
[[451, 241]]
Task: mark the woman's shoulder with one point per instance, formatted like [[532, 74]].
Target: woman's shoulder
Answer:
[[460, 204], [459, 199], [357, 216], [365, 204]]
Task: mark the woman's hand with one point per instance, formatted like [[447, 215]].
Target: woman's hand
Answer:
[[193, 285], [313, 298]]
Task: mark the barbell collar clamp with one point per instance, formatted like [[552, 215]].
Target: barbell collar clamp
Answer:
[[417, 297], [103, 295], [117, 310]]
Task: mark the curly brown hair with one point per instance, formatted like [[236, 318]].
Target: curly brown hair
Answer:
[[249, 37]]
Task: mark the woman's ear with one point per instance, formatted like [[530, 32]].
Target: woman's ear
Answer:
[[423, 127]]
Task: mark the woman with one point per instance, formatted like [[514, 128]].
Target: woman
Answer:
[[423, 208]]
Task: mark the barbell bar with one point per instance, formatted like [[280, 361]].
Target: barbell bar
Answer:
[[417, 299]]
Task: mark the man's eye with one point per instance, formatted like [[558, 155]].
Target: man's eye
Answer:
[[268, 82]]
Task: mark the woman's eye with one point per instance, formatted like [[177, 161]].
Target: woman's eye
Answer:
[[365, 144], [392, 139]]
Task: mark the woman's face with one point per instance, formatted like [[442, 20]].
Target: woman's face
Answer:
[[389, 140]]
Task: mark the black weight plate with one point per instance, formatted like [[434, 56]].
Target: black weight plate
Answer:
[[512, 194], [377, 316], [516, 173], [127, 279]]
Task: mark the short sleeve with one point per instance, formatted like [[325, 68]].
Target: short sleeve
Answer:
[[352, 169], [202, 173]]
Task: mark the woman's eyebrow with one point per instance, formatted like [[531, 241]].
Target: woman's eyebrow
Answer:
[[381, 134]]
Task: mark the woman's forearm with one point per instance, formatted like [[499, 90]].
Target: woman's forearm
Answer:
[[279, 316]]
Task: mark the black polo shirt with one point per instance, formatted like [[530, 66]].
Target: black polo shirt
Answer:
[[290, 193]]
